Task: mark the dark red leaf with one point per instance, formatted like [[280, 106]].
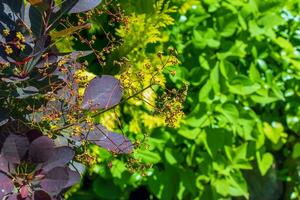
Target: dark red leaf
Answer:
[[33, 134], [16, 197], [41, 195], [24, 191]]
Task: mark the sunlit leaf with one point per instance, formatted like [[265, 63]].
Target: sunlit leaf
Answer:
[[102, 92], [84, 5]]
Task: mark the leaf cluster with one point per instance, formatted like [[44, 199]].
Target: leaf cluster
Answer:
[[239, 139]]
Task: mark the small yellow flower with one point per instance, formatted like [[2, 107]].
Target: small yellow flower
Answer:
[[20, 36], [8, 49], [20, 46], [6, 32]]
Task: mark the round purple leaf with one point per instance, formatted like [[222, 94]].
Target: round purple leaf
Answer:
[[74, 178], [41, 149], [61, 157], [6, 185], [102, 92], [55, 180], [14, 148]]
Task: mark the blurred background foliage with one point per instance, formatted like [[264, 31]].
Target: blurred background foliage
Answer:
[[237, 61]]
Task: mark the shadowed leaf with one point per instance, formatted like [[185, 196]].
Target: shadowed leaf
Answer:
[[14, 148], [74, 178], [55, 180], [41, 195], [41, 149], [60, 157], [4, 165]]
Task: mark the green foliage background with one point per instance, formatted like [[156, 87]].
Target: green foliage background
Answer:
[[240, 136]]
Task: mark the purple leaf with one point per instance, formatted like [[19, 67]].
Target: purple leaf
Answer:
[[45, 62], [102, 92], [6, 185], [84, 5], [96, 133], [114, 142], [14, 148], [41, 149], [4, 165], [61, 157], [41, 195], [55, 180], [33, 134], [15, 197], [74, 178]]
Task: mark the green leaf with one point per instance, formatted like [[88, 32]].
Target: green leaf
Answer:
[[263, 99], [230, 111], [214, 78], [106, 189], [264, 162], [296, 151], [188, 178], [237, 50], [196, 76], [147, 156], [169, 156], [203, 63], [205, 90], [190, 133], [238, 186], [254, 73], [227, 24], [227, 69], [165, 184], [273, 132], [242, 85], [216, 139], [69, 31]]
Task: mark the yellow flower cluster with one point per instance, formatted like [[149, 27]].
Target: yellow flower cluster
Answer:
[[8, 49], [6, 32], [19, 42], [20, 37]]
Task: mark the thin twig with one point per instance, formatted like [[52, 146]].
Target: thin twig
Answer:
[[103, 111]]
